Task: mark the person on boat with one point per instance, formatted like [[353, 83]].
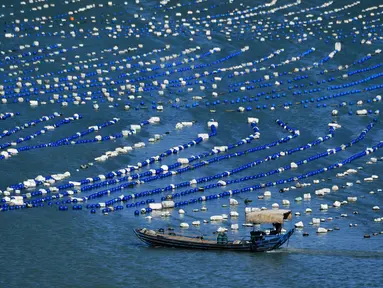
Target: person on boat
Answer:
[[277, 228], [222, 238]]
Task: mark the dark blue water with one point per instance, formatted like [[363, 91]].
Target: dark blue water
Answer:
[[45, 247]]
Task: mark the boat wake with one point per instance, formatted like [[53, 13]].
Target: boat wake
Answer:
[[345, 253]]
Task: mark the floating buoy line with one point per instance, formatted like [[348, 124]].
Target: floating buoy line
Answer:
[[240, 169], [236, 90], [293, 165], [297, 178], [113, 64], [201, 180], [180, 161], [67, 140], [67, 120], [6, 115], [28, 124]]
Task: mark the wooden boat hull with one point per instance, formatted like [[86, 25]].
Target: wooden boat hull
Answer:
[[164, 240]]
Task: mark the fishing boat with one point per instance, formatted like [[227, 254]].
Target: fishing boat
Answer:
[[260, 241]]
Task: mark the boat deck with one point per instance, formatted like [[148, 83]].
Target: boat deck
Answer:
[[188, 239]]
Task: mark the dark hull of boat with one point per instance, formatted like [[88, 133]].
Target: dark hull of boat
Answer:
[[161, 240]]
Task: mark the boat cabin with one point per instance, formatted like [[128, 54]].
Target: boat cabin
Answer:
[[274, 217]]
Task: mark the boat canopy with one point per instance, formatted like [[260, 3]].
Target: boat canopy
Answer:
[[268, 216]]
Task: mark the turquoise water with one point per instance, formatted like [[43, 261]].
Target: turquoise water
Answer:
[[45, 247]]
